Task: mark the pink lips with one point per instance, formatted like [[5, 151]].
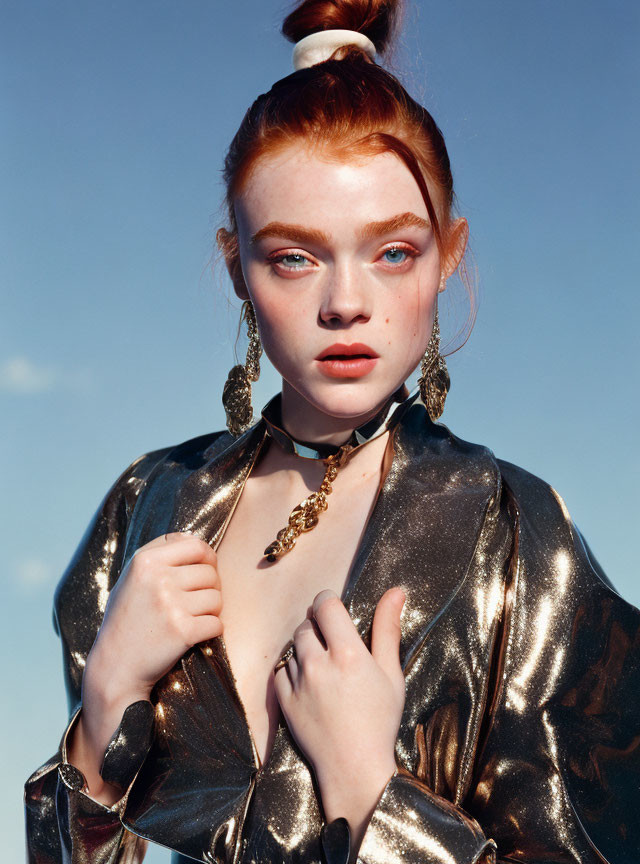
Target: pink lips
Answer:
[[347, 361], [339, 349]]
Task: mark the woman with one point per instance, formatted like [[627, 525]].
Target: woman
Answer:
[[341, 632]]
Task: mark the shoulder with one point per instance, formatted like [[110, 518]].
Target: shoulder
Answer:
[[195, 451], [548, 538], [522, 486], [95, 564], [528, 496], [538, 506], [110, 519], [527, 486], [190, 453]]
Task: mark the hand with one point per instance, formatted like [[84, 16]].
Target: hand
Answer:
[[166, 600], [344, 704]]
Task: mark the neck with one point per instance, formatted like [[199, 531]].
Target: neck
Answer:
[[305, 422]]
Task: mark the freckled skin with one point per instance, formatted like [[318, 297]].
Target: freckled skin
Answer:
[[344, 290]]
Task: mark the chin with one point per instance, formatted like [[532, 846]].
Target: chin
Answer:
[[345, 399]]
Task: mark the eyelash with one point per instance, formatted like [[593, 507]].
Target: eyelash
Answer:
[[396, 247]]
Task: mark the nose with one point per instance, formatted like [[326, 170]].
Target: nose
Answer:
[[345, 297]]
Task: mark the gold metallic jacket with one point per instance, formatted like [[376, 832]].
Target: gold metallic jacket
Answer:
[[520, 736]]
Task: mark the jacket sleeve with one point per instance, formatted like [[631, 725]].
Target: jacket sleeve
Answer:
[[557, 774], [63, 823], [412, 825]]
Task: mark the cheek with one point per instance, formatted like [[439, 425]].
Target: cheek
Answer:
[[285, 317], [409, 319], [283, 326]]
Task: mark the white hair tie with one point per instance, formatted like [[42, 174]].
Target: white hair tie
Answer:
[[319, 46]]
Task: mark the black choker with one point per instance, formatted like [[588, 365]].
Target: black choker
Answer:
[[384, 419]]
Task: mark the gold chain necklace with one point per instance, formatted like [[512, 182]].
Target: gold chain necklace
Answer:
[[304, 516]]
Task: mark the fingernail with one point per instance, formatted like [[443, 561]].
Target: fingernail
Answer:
[[320, 597]]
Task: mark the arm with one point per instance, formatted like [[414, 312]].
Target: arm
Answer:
[[558, 773], [92, 735], [63, 821]]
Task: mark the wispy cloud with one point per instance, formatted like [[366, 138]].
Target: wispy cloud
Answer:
[[32, 573], [19, 374]]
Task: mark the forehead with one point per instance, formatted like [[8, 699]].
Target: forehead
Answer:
[[337, 195]]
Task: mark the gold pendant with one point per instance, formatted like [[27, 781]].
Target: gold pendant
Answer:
[[304, 516]]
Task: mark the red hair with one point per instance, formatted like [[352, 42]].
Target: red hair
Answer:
[[347, 106]]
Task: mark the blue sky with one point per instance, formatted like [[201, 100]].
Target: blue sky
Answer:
[[116, 337]]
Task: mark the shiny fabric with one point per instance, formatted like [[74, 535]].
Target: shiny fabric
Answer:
[[521, 728]]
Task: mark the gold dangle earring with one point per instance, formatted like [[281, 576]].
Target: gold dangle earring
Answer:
[[236, 395], [434, 378]]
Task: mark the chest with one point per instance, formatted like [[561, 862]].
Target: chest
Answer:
[[263, 603]]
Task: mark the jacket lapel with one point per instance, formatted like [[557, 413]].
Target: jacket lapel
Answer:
[[195, 489], [425, 525]]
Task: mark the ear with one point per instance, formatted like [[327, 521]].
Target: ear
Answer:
[[458, 236], [228, 245]]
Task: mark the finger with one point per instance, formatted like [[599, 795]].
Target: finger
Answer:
[[307, 643], [190, 577], [386, 631], [291, 666], [283, 685], [293, 671], [333, 620], [180, 548], [206, 601], [169, 537]]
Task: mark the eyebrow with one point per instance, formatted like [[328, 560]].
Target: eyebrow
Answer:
[[371, 230]]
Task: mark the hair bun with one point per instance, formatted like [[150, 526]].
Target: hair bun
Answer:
[[376, 19]]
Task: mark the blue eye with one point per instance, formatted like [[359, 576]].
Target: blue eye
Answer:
[[299, 259], [395, 252]]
